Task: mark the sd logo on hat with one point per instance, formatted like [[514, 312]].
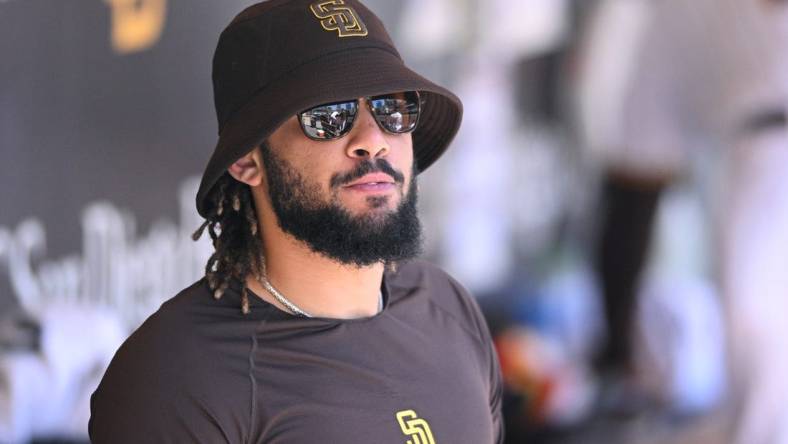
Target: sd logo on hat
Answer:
[[335, 16]]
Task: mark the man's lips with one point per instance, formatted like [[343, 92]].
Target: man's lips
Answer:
[[372, 183], [371, 180]]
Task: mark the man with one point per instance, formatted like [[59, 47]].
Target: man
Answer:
[[313, 322]]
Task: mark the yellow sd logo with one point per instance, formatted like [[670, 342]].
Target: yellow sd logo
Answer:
[[334, 15], [416, 428]]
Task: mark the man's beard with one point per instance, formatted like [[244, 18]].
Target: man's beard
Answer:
[[330, 230]]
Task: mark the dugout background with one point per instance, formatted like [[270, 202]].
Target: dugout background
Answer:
[[107, 120]]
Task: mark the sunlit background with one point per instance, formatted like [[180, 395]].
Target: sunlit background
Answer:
[[616, 200]]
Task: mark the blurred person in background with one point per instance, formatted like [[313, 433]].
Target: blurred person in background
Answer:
[[313, 320], [678, 95], [520, 205]]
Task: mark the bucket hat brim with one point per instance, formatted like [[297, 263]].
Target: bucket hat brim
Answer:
[[333, 77]]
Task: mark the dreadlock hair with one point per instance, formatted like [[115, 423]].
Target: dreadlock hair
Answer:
[[232, 225]]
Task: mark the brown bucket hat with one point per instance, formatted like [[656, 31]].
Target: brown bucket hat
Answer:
[[280, 57]]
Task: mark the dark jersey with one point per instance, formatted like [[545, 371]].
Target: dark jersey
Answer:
[[423, 370]]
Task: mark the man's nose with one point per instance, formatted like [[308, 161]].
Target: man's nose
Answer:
[[366, 139]]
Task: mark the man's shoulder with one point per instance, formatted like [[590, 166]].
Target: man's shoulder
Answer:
[[184, 326], [162, 371], [428, 277], [423, 279], [415, 273], [166, 333]]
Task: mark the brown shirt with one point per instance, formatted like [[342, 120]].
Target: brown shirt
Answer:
[[423, 371]]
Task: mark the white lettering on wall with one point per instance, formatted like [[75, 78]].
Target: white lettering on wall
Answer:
[[116, 269]]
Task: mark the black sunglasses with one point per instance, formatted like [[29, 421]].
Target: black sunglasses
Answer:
[[395, 113]]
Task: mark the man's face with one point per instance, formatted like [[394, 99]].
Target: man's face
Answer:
[[352, 199]]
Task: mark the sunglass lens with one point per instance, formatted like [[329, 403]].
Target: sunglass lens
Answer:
[[328, 121], [397, 113]]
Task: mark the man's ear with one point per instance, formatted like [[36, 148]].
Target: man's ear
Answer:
[[248, 169]]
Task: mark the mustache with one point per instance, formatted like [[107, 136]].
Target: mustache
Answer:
[[365, 167]]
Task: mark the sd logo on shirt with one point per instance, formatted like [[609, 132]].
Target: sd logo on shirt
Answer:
[[416, 428]]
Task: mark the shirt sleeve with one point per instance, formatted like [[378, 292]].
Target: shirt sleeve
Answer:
[[135, 416], [496, 384], [160, 388], [491, 363], [496, 396]]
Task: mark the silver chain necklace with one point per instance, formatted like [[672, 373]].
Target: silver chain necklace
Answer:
[[263, 279]]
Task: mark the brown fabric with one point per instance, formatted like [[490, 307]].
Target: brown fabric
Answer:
[[199, 371]]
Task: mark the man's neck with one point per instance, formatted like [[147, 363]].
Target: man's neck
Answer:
[[316, 284]]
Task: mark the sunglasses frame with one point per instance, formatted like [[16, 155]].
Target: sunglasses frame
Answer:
[[419, 101]]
